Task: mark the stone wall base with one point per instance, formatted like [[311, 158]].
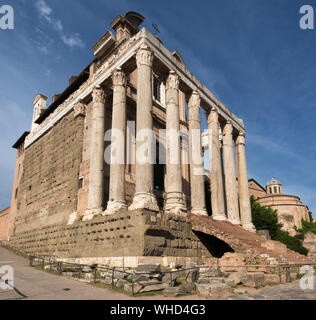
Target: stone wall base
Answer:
[[134, 261], [138, 236]]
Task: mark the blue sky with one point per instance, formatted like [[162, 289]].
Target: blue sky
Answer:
[[250, 53]]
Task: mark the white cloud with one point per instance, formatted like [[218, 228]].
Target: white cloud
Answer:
[[44, 10], [72, 40]]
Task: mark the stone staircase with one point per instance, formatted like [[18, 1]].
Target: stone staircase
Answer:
[[253, 247]]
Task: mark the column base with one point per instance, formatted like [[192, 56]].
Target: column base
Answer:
[[249, 227], [235, 222], [114, 206], [219, 217], [175, 203], [178, 209], [90, 213], [201, 212], [144, 201], [72, 218]]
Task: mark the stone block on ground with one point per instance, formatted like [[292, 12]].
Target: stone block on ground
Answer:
[[213, 290], [192, 274], [211, 272], [231, 260], [120, 283], [254, 279], [179, 291], [170, 278], [148, 268], [142, 278], [144, 287], [235, 278], [86, 269]]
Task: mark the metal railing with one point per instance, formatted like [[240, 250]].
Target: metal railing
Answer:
[[60, 267]]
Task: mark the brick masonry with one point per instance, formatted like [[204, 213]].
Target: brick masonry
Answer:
[[49, 184]]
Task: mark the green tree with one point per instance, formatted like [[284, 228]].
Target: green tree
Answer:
[[265, 218]]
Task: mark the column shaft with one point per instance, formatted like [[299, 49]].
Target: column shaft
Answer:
[[174, 201], [96, 178], [117, 167], [244, 197], [216, 167], [230, 175], [196, 159], [145, 140]]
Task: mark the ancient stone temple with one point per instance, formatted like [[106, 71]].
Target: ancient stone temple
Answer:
[[289, 208], [113, 167]]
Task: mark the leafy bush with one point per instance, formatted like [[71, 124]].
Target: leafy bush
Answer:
[[265, 218]]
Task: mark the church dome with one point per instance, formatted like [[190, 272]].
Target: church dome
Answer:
[[274, 186], [273, 181]]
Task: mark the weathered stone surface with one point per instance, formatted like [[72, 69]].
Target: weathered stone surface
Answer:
[[254, 280], [144, 287], [49, 185], [142, 278], [210, 280], [235, 278], [310, 243], [231, 260], [120, 283], [178, 291], [148, 268], [170, 278], [214, 289], [210, 272], [193, 273], [86, 269]]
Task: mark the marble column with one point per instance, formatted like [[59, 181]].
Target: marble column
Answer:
[[196, 159], [96, 178], [243, 189], [117, 167], [216, 167], [230, 175], [144, 197], [174, 203]]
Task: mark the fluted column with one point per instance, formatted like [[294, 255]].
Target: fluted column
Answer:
[[216, 167], [117, 166], [96, 179], [230, 175], [174, 203], [145, 140], [243, 189], [196, 159]]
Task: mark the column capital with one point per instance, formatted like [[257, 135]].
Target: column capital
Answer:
[[212, 116], [172, 81], [98, 95], [228, 129], [79, 109], [240, 139], [195, 100], [144, 56], [119, 77]]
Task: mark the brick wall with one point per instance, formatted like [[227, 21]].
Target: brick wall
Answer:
[[4, 224], [49, 185]]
